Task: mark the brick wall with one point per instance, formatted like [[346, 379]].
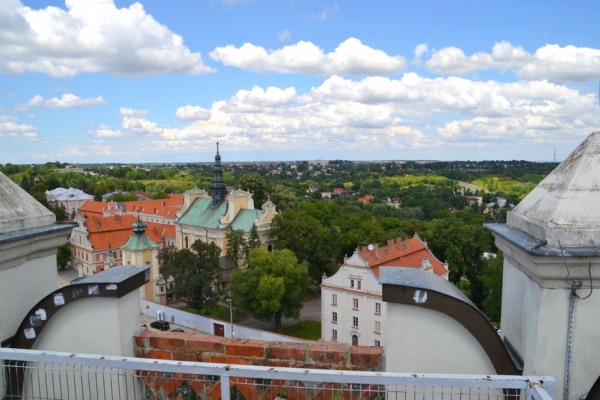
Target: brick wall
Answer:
[[201, 348]]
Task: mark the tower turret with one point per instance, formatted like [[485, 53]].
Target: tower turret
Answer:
[[218, 186]]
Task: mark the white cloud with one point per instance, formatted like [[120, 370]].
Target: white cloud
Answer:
[[130, 112], [373, 115], [382, 113], [421, 49], [91, 36], [192, 113], [106, 131], [326, 13], [11, 129], [284, 36], [350, 57], [135, 122], [66, 101], [550, 62]]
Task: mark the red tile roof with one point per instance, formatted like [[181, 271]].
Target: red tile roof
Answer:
[[163, 208], [113, 232], [407, 253]]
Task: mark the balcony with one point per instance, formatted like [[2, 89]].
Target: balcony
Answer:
[[32, 374]]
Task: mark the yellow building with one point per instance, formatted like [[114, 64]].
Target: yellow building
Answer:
[[140, 249], [210, 218]]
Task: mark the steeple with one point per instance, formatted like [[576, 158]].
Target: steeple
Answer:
[[139, 228], [218, 186]]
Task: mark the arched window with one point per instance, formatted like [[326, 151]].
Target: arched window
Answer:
[[186, 242], [270, 248]]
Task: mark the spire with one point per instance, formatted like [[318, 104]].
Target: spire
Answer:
[[139, 228], [218, 186]]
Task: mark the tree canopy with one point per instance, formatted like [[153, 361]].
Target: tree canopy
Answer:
[[254, 241], [237, 248], [272, 287], [257, 186], [306, 238], [196, 272]]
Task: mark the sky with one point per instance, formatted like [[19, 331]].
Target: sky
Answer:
[[116, 81]]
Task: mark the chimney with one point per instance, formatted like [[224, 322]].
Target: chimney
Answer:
[[551, 249]]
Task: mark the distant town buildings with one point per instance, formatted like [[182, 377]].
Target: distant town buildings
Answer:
[[352, 310], [71, 199]]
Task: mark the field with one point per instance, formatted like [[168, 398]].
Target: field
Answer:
[[412, 180], [508, 186]]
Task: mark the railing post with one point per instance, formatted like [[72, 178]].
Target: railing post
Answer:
[[225, 387]]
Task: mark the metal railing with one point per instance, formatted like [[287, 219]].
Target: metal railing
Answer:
[[33, 374]]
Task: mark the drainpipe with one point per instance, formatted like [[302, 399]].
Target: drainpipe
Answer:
[[576, 285]]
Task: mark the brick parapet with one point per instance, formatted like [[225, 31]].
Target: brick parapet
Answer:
[[197, 347]]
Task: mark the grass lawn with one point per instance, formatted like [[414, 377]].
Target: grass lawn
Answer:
[[218, 312], [309, 330]]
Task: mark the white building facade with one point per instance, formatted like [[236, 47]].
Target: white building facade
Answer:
[[352, 310], [351, 306]]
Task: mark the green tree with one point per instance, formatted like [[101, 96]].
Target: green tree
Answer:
[[63, 256], [254, 241], [160, 195], [237, 248], [491, 277], [283, 197], [257, 186], [119, 197], [195, 270], [306, 238], [272, 287]]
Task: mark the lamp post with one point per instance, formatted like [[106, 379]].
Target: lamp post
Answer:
[[231, 318]]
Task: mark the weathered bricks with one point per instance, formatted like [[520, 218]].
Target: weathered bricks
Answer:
[[286, 351], [168, 340], [203, 348], [328, 353], [246, 348], [214, 349], [204, 343]]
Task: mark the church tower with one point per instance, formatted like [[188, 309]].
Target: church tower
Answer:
[[218, 186]]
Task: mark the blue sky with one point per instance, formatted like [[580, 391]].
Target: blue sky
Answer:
[[156, 81]]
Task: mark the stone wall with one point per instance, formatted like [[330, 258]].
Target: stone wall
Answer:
[[214, 349]]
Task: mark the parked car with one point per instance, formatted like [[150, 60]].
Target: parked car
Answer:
[[160, 325], [177, 330], [144, 327], [76, 279]]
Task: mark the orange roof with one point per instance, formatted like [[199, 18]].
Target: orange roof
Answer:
[[163, 208], [92, 207], [407, 253], [113, 232]]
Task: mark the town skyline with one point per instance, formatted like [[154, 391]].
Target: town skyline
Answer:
[[105, 81]]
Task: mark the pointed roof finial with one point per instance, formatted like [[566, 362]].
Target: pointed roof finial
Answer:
[[217, 142]]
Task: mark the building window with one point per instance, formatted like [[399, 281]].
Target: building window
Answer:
[[377, 326], [377, 308], [351, 283], [355, 322], [334, 299], [355, 304], [186, 242], [334, 317], [377, 343], [358, 284], [334, 334]]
